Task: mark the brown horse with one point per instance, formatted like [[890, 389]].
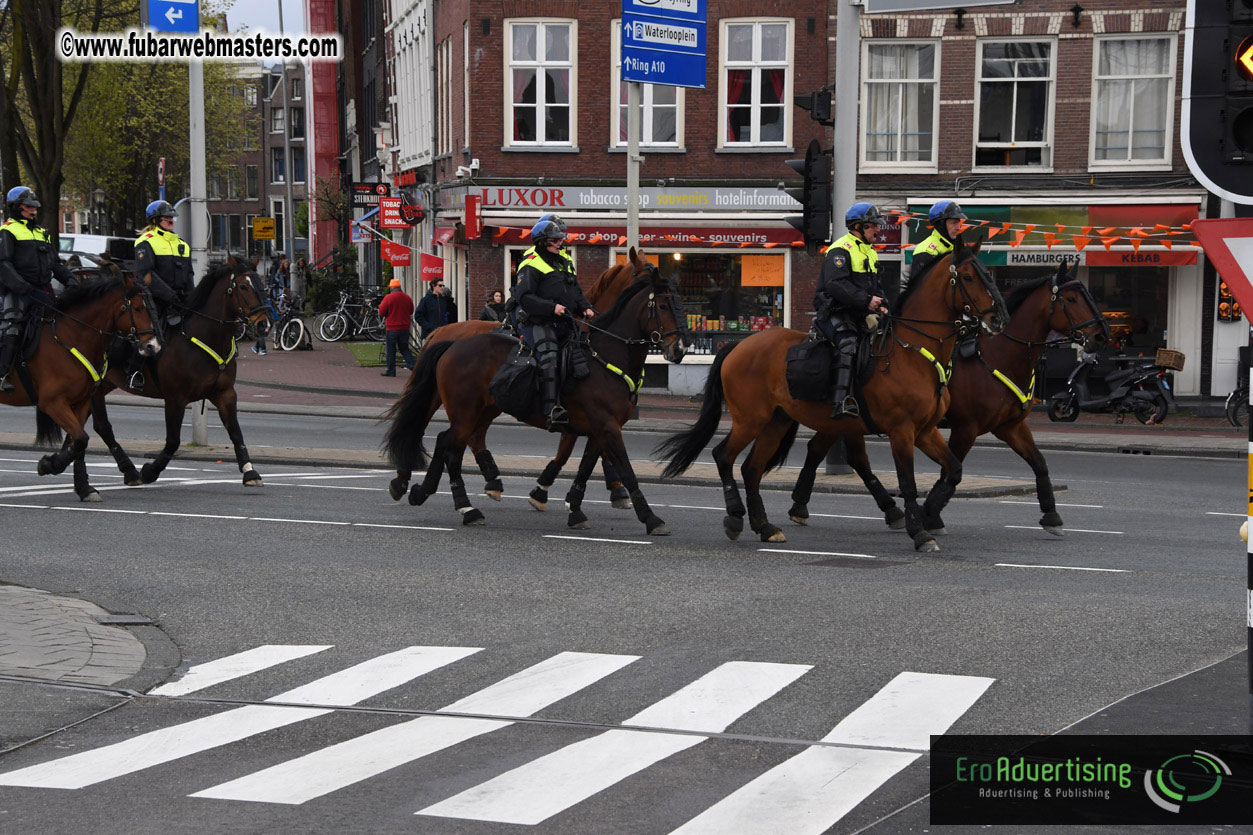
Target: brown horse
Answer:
[[991, 392], [606, 289], [198, 363], [905, 397], [648, 313], [68, 362]]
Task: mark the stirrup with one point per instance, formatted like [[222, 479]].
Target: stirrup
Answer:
[[556, 418], [846, 408], [6, 385], [136, 380]]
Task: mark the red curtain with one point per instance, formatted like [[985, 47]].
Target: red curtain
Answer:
[[736, 79]]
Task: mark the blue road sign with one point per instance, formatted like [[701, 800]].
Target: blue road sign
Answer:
[[663, 42], [174, 15]]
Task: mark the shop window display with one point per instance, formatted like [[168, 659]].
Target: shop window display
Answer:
[[1134, 302]]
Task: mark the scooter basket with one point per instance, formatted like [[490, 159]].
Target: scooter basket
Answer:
[[1167, 358]]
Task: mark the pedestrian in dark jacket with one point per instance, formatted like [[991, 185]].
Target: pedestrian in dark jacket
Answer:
[[436, 309], [494, 310]]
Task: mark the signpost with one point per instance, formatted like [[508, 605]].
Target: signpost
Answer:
[[366, 195], [161, 177], [390, 215], [263, 228], [173, 15]]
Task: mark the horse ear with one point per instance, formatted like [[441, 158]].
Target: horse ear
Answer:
[[974, 248], [632, 256], [232, 261]]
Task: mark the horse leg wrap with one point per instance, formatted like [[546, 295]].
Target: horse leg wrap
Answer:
[[574, 497], [252, 478], [731, 495], [1052, 522], [577, 519], [487, 465], [549, 475], [938, 498], [804, 487], [880, 493]]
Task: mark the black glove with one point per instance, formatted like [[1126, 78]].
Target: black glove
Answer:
[[40, 297]]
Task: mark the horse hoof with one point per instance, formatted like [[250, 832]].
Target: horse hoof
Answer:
[[799, 513], [538, 498], [734, 526], [149, 474], [90, 496], [924, 542], [578, 525], [494, 495], [940, 531], [776, 536], [416, 496], [895, 518], [540, 506], [253, 479], [494, 489], [800, 520], [44, 467], [658, 529], [397, 488], [1055, 530], [473, 516], [1052, 519], [929, 546], [621, 504], [619, 498], [577, 519], [130, 477]]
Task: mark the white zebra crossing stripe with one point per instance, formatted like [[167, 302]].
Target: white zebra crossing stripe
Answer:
[[540, 789], [809, 793], [203, 676], [347, 687], [354, 760]]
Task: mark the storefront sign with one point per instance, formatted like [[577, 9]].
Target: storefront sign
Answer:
[[1046, 258], [432, 267], [473, 217], [389, 214], [368, 194], [761, 271], [613, 198], [663, 236], [263, 228], [406, 178], [1143, 258], [398, 255]]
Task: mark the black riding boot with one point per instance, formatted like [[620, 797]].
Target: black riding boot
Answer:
[[134, 369], [549, 404], [8, 355], [844, 404]]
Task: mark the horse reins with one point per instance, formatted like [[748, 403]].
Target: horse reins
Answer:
[[1076, 328]]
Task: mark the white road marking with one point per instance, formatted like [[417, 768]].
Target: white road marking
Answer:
[[810, 792], [1036, 504], [101, 510], [818, 553], [401, 527], [840, 516], [29, 506], [210, 673], [1068, 530], [193, 515], [347, 687], [381, 488], [338, 766], [1062, 567], [1223, 513], [598, 539], [534, 792], [296, 521]]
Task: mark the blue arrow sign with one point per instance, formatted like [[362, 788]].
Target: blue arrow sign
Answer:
[[663, 42], [174, 15]]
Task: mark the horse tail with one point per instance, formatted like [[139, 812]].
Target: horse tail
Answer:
[[785, 446], [681, 450], [47, 431], [409, 414]]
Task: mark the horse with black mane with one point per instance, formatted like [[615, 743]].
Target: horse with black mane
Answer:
[[68, 361], [648, 313], [992, 391], [905, 397], [198, 363]]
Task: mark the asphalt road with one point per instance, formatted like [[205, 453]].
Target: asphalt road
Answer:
[[760, 651]]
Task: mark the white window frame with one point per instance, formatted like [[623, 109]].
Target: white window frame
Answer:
[[892, 167], [646, 102], [1049, 142], [278, 119], [1165, 163], [788, 80], [540, 89]]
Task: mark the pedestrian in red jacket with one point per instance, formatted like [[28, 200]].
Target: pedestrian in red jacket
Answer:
[[396, 310]]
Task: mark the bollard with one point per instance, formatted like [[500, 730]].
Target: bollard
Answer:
[[837, 459]]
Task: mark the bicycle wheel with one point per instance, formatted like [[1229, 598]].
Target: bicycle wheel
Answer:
[[291, 334], [334, 327], [374, 329], [1238, 408]]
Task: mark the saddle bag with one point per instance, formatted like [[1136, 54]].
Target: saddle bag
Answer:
[[575, 364], [515, 385], [809, 370]]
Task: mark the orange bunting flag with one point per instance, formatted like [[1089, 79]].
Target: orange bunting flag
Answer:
[[746, 243], [1187, 227], [1108, 241], [1018, 236], [794, 243], [1174, 232], [1049, 239], [1106, 232], [1030, 228], [1005, 226], [594, 239], [1135, 244], [1060, 228], [1086, 230], [621, 240], [901, 218], [501, 231], [720, 243], [773, 244], [963, 227], [1137, 232], [992, 233], [1160, 227], [1080, 242], [1168, 244]]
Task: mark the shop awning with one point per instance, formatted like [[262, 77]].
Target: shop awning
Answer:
[[443, 234]]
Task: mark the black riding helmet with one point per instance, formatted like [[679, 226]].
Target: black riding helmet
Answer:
[[18, 197]]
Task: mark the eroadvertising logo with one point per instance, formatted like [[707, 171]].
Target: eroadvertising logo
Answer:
[[1091, 779]]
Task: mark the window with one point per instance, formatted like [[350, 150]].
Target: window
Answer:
[[540, 83], [276, 120], [1133, 101], [756, 82], [277, 169], [297, 129], [297, 165], [67, 223], [252, 181], [661, 107], [297, 88], [215, 187], [233, 191], [277, 214], [218, 236], [252, 131], [237, 236], [899, 89], [1015, 103], [250, 96]]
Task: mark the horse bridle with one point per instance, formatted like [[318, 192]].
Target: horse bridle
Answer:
[[234, 285], [656, 337], [128, 307], [970, 315], [1077, 328]]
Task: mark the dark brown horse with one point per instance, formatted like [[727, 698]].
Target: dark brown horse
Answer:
[[905, 396], [602, 294], [68, 362], [198, 363], [992, 391], [648, 313]]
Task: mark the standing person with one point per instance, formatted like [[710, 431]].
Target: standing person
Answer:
[[300, 278], [27, 266], [436, 309], [494, 310], [396, 310], [546, 291], [276, 286], [848, 289], [163, 264]]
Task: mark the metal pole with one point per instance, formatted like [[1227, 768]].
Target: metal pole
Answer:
[[199, 219], [634, 90], [844, 181], [289, 212]]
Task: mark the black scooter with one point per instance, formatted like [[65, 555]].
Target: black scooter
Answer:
[[1141, 389]]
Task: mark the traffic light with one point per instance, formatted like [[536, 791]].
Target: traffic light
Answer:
[[814, 196], [1218, 99], [1228, 308], [818, 104]]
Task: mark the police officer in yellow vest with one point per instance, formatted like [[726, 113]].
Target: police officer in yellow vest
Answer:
[[163, 264], [946, 219], [849, 289], [28, 263], [547, 289]]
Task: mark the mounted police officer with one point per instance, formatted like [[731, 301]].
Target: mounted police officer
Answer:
[[546, 291], [848, 290], [946, 219], [28, 263], [163, 264]]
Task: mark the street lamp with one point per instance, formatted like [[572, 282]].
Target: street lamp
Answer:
[[98, 194]]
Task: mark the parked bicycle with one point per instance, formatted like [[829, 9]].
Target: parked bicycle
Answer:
[[1238, 405], [290, 328], [352, 319]]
